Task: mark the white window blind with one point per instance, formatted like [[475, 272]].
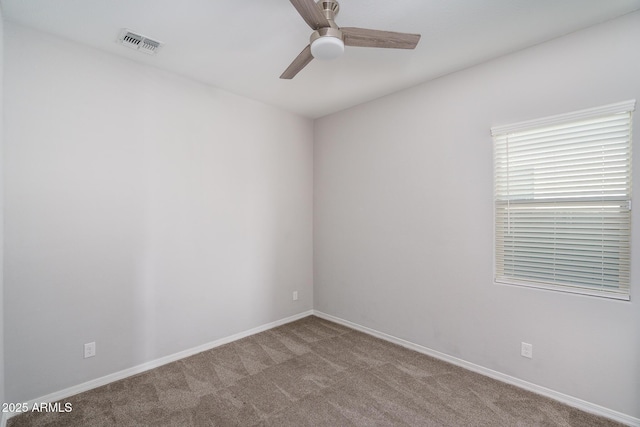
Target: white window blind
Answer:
[[563, 202]]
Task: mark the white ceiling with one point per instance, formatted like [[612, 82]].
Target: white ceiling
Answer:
[[244, 45]]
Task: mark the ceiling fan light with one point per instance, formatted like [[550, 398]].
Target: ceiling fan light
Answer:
[[327, 47]]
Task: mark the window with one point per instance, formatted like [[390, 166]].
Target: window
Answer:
[[563, 202]]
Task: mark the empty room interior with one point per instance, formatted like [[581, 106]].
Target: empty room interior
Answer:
[[186, 178]]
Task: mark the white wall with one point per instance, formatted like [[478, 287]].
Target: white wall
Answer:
[[403, 219], [145, 212]]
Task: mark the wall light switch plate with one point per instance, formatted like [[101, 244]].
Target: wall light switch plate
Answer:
[[295, 295]]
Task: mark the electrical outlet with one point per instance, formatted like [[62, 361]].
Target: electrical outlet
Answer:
[[295, 295], [526, 350], [89, 349]]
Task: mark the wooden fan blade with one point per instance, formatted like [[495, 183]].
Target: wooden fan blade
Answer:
[[362, 37], [311, 13], [298, 64]]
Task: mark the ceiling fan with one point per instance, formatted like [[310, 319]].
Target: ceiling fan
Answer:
[[328, 40]]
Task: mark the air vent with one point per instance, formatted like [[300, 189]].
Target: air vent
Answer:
[[138, 42]]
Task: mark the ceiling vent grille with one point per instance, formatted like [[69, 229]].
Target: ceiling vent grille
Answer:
[[139, 42]]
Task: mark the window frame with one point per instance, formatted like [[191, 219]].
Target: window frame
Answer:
[[626, 107]]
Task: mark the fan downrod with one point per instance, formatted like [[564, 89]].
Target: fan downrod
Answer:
[[330, 8]]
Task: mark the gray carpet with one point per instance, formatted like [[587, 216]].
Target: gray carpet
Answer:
[[310, 373]]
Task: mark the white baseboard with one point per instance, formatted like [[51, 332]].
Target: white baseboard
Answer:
[[561, 397], [98, 382]]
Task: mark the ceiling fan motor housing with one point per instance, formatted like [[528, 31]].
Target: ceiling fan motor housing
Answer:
[[327, 43]]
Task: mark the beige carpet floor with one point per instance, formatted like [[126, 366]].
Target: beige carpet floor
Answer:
[[310, 373]]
